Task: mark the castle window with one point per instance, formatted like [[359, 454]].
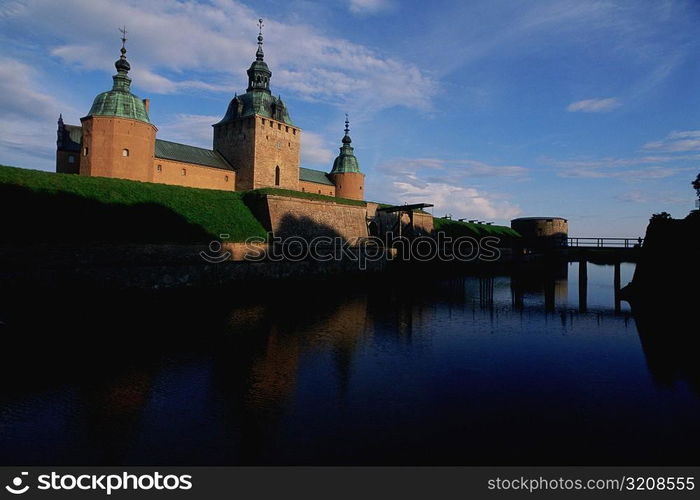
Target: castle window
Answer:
[[71, 159], [159, 168], [319, 191], [303, 190], [85, 151], [263, 121], [286, 129], [360, 188], [184, 171], [279, 126], [277, 175], [125, 152], [225, 178], [270, 123], [294, 131]]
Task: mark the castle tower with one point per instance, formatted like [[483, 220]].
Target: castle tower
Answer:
[[256, 136], [118, 139], [349, 181]]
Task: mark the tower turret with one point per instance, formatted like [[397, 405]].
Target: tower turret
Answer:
[[256, 135], [118, 138], [349, 181]]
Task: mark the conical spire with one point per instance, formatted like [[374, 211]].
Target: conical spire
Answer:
[[259, 55], [346, 161], [346, 138]]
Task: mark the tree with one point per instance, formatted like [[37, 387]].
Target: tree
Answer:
[[661, 216], [696, 185]]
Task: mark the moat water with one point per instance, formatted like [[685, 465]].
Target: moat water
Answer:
[[480, 370]]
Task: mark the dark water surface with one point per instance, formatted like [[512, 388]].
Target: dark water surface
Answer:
[[470, 370]]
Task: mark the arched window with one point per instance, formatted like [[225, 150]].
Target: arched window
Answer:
[[225, 178], [85, 151], [125, 152], [184, 171], [159, 168], [277, 175]]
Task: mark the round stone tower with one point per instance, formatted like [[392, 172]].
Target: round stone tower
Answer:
[[118, 137], [349, 181]]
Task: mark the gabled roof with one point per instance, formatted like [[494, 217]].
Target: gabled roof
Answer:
[[311, 175], [190, 154]]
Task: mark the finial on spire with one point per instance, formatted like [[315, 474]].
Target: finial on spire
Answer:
[[122, 64], [123, 39], [259, 55], [346, 138]]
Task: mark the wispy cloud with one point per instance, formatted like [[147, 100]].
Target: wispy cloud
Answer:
[[194, 130], [632, 197], [369, 6], [315, 150], [449, 170], [459, 201], [449, 185], [677, 142], [597, 105], [172, 45], [28, 117]]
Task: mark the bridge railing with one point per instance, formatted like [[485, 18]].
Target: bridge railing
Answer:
[[604, 242]]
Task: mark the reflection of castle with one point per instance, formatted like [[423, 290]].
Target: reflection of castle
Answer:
[[255, 144]]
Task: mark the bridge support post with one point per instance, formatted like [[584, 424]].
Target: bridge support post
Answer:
[[582, 284], [616, 285]]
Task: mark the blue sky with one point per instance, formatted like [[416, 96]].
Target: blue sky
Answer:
[[588, 110]]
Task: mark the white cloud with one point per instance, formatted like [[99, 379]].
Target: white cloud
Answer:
[[177, 46], [195, 130], [446, 184], [315, 151], [28, 118], [598, 105], [459, 201], [369, 6], [676, 142]]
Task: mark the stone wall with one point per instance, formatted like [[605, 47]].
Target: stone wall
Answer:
[[287, 217]]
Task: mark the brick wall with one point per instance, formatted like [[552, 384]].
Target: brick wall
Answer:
[[191, 175], [315, 187]]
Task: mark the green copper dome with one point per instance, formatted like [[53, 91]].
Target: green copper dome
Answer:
[[346, 161], [120, 101]]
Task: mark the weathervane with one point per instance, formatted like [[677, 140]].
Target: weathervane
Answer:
[[124, 39]]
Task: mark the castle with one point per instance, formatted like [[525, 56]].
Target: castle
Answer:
[[255, 145]]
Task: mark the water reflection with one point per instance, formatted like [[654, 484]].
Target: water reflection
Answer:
[[483, 369]]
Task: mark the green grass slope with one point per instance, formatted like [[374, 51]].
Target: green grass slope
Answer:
[[62, 208], [454, 229]]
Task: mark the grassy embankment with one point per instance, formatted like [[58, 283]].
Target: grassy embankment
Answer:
[[454, 229], [44, 207]]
